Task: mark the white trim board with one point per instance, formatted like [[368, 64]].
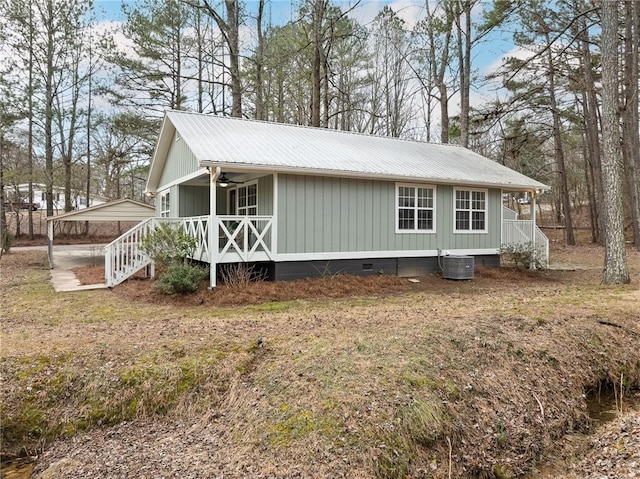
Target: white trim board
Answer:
[[338, 255], [184, 179]]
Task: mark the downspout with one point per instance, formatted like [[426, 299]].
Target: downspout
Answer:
[[213, 226]]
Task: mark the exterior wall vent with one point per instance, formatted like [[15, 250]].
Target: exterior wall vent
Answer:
[[457, 267]]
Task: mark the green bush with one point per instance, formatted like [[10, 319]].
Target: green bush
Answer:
[[169, 244], [181, 279]]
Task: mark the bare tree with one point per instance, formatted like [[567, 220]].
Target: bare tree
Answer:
[[391, 101], [229, 25], [439, 30]]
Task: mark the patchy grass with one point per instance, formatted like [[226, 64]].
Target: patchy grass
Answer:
[[347, 376]]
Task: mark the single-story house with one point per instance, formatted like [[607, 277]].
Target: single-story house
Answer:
[[299, 201]]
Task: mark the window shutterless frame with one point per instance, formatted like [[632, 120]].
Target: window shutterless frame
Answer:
[[243, 199], [415, 206], [165, 203], [470, 212]]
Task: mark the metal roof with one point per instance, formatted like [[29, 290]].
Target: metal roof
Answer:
[[239, 144]]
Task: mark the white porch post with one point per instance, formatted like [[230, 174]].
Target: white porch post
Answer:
[[274, 219], [534, 254], [213, 226]]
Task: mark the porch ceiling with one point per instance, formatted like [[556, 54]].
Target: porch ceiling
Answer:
[[203, 180]]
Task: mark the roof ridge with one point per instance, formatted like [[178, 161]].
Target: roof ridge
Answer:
[[316, 128]]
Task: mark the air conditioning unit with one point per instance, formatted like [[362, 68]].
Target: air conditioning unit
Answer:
[[457, 267]]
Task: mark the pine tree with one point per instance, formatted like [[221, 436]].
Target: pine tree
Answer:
[[615, 260]]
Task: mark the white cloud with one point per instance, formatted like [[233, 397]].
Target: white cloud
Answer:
[[515, 52]]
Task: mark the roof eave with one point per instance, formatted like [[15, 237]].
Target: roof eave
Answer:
[[369, 176], [160, 154]]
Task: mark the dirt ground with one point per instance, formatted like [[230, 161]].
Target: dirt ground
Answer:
[[335, 377]]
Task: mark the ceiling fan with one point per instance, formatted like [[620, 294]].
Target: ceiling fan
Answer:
[[223, 181]]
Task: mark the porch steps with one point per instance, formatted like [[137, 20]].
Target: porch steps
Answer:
[[124, 256]]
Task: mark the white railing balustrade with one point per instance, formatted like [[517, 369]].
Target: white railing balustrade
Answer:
[[198, 227], [244, 238]]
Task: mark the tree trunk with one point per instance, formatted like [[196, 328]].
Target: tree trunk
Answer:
[[177, 68], [89, 107], [316, 65], [200, 42], [465, 73], [439, 68], [230, 32], [615, 260], [559, 152], [30, 94], [260, 108], [3, 214], [630, 114], [48, 107], [444, 113], [588, 178], [591, 106], [67, 157], [233, 20]]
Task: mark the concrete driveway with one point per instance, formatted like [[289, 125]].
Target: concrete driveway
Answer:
[[68, 257]]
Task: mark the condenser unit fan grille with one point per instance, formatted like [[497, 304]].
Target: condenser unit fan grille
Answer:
[[457, 267]]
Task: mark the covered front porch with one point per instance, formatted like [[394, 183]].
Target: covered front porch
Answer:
[[241, 230], [236, 239]]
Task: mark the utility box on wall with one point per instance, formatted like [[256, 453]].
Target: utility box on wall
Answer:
[[457, 267]]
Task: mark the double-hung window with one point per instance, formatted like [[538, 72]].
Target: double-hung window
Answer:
[[470, 211], [415, 210], [165, 204], [248, 200]]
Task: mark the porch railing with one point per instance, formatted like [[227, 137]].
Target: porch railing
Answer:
[[240, 239], [123, 257], [198, 227], [244, 238], [520, 232]]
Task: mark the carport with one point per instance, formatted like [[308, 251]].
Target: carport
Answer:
[[118, 210]]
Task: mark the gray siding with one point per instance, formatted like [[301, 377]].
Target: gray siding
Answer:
[[221, 201], [265, 195], [194, 200], [325, 214], [180, 162]]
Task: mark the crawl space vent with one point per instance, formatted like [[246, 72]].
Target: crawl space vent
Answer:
[[457, 267]]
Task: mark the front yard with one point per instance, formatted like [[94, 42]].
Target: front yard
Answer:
[[338, 377]]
